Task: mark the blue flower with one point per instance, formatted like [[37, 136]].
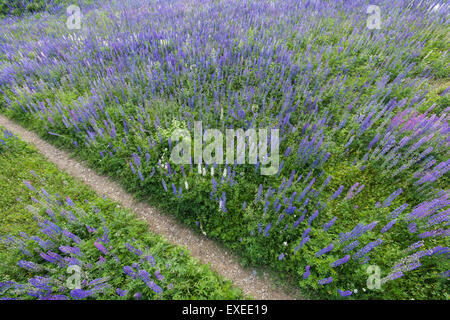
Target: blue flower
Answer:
[[306, 273], [325, 281], [79, 294], [340, 261], [129, 271], [324, 250], [266, 230], [29, 186], [344, 293], [121, 293], [31, 266]]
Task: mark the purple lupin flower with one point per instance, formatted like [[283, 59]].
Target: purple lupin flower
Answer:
[[314, 215], [129, 271], [324, 250], [56, 297], [329, 224], [266, 230], [29, 186], [69, 202], [134, 250], [121, 293], [388, 226], [70, 235], [31, 266], [325, 281], [141, 177], [174, 189], [100, 247], [70, 250], [90, 230], [340, 261], [79, 294], [307, 272], [158, 275], [344, 293], [337, 193]]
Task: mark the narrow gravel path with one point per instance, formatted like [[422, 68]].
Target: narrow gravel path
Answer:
[[200, 247]]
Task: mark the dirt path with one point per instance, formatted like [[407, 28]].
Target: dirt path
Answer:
[[200, 247]]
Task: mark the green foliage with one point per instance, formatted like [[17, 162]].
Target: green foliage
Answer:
[[17, 8]]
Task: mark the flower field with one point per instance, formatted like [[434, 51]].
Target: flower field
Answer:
[[51, 223], [358, 205]]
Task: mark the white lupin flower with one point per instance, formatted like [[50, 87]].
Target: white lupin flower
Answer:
[[435, 8], [164, 42], [204, 172], [224, 172], [186, 185], [220, 207], [355, 291], [212, 171], [213, 54], [203, 232], [199, 168]]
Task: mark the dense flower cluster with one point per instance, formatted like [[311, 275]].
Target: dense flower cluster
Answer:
[[66, 249]]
